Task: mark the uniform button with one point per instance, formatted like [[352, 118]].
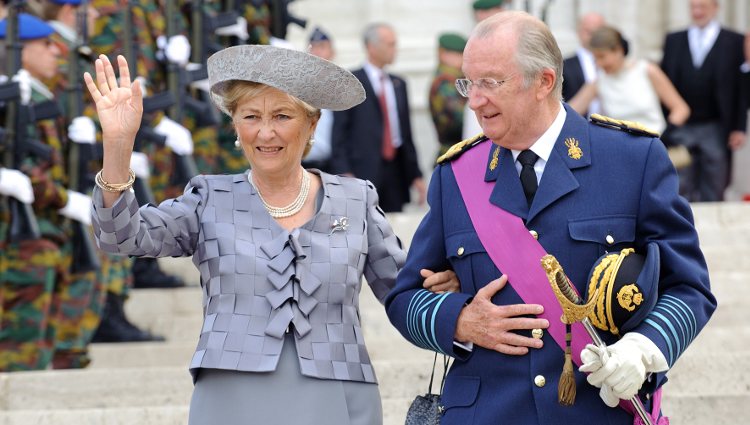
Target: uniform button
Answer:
[[460, 251], [610, 240], [537, 333], [539, 381], [534, 234]]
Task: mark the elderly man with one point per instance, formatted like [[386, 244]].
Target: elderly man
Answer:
[[540, 180]]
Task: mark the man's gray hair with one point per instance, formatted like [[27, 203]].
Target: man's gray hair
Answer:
[[371, 33], [536, 48]]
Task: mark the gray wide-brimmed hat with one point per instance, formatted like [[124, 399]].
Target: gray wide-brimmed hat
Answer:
[[316, 81]]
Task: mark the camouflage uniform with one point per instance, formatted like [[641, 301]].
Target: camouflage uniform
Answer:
[[148, 25], [79, 305], [447, 106], [34, 273]]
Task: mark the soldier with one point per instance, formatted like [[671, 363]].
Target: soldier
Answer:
[[446, 104], [27, 305], [85, 300], [152, 164]]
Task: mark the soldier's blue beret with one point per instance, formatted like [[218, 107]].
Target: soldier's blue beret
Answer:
[[29, 27], [318, 35], [70, 2], [628, 284], [487, 4]]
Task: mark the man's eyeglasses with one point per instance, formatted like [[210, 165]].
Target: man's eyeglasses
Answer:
[[464, 85]]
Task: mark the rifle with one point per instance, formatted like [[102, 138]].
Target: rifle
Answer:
[[85, 258], [281, 18], [203, 44], [185, 167], [23, 225], [158, 102]]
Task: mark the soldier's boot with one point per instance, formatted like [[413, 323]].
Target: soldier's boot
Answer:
[[115, 327], [147, 274], [70, 359]]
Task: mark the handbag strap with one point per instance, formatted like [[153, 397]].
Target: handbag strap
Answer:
[[446, 364]]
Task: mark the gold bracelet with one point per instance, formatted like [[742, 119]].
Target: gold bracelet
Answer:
[[115, 187]]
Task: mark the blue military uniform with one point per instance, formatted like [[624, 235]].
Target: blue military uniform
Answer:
[[603, 191]]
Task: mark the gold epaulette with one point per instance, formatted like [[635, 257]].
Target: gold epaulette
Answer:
[[631, 127], [456, 150]]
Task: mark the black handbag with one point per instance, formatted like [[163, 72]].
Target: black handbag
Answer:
[[427, 409]]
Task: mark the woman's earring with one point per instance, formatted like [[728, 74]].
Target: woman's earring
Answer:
[[237, 144], [311, 142]]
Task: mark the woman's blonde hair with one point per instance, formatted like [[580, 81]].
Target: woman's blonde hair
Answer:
[[238, 90]]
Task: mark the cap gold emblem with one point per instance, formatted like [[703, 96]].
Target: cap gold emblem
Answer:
[[574, 151], [629, 297], [495, 160]]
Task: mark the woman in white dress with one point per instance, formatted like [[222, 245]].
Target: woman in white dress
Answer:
[[630, 89]]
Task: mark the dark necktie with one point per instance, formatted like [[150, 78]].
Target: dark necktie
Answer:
[[527, 159]]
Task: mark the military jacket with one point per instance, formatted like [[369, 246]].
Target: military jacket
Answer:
[[602, 190]]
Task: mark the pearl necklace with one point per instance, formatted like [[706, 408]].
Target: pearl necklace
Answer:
[[294, 207]]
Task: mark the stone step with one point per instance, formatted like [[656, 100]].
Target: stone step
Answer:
[[175, 353], [681, 409], [154, 415], [706, 375]]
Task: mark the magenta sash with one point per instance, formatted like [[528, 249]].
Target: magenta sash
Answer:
[[510, 245]]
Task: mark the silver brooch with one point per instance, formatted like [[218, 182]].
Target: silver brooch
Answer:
[[340, 224]]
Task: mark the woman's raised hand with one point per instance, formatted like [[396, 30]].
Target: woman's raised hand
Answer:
[[119, 106]]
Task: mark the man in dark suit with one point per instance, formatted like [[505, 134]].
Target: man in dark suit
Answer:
[[373, 140], [704, 63], [580, 68]]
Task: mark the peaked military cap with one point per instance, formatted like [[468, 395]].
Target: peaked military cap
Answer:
[[627, 284], [452, 41], [316, 81], [29, 27], [487, 4], [318, 35]]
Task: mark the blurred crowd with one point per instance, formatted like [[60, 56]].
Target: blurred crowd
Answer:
[[59, 293]]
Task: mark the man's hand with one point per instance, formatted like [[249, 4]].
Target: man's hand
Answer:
[[490, 326], [419, 185], [440, 282], [736, 139]]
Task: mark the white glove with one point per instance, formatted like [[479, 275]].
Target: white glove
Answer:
[[176, 48], [16, 184], [178, 137], [78, 207], [82, 130], [139, 165], [23, 78], [623, 365], [238, 29]]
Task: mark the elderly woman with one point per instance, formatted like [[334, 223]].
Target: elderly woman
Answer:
[[281, 250]]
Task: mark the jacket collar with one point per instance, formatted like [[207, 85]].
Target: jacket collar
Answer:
[[572, 151]]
